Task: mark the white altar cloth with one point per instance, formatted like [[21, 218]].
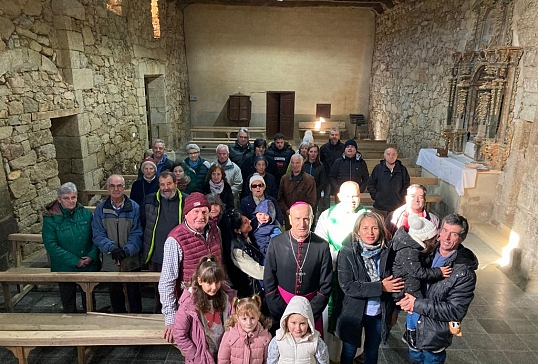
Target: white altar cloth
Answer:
[[451, 169]]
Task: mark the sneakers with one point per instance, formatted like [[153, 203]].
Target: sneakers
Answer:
[[410, 338]]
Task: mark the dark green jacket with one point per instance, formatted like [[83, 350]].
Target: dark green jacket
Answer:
[[67, 236]]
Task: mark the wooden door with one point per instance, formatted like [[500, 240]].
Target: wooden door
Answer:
[[287, 114], [272, 119]]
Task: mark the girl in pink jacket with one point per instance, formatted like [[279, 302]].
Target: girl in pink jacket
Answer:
[[246, 339], [203, 309]]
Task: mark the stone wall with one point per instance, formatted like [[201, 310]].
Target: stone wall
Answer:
[[72, 94], [411, 68]]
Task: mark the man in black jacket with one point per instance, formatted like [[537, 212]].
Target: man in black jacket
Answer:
[[280, 151], [388, 183], [446, 302], [241, 149], [350, 166], [328, 153]]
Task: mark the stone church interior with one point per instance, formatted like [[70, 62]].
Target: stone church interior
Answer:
[[86, 85]]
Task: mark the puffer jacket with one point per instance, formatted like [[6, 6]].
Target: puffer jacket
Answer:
[[411, 265], [111, 230], [387, 188], [446, 300], [67, 236], [349, 169], [356, 287], [239, 347], [239, 154], [282, 159], [263, 233], [248, 206], [329, 153], [189, 332]]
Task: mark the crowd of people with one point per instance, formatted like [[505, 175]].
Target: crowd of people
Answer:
[[256, 266]]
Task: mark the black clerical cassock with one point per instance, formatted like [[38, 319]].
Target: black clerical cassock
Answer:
[[300, 268]]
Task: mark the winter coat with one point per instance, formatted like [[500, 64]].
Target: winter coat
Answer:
[[411, 265], [317, 170], [245, 285], [226, 195], [270, 185], [239, 154], [233, 176], [305, 349], [201, 170], [248, 169], [296, 188], [263, 233], [67, 236], [248, 206], [349, 169], [189, 332], [282, 159], [446, 300], [356, 286], [387, 188], [112, 230], [329, 153], [141, 188], [150, 213], [239, 347]]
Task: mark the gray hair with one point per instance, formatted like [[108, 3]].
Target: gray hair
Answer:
[[222, 146], [335, 128], [244, 130], [116, 175], [297, 155], [192, 146], [158, 141], [68, 187]]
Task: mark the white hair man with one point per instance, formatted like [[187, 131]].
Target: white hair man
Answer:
[[232, 170]]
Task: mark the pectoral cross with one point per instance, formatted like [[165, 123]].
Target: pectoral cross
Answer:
[[300, 275]]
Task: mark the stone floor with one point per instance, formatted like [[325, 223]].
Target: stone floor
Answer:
[[501, 326]]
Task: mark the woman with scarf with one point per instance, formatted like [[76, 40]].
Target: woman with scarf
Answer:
[[364, 274], [199, 165], [216, 183], [185, 178]]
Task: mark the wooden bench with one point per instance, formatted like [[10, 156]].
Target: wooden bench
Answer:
[[22, 332], [230, 132], [87, 280], [17, 240]]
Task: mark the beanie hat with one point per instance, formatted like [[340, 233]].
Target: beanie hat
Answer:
[[148, 160], [255, 177], [260, 157], [421, 229], [194, 200], [352, 143]]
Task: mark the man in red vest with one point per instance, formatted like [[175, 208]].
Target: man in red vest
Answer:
[[183, 248]]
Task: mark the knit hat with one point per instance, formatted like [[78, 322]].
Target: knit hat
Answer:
[[255, 177], [260, 157], [421, 229], [148, 160], [194, 200], [351, 142]]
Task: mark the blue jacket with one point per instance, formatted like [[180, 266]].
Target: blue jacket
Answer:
[[111, 230], [263, 233], [248, 206]]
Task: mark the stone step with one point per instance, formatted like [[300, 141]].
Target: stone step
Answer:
[[496, 237]]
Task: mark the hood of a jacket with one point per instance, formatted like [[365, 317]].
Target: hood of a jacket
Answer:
[[54, 208], [267, 207], [300, 305], [358, 156], [276, 150], [466, 257], [402, 240]]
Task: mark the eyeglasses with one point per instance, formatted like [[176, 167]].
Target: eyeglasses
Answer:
[[257, 186], [194, 153], [67, 198], [116, 187]]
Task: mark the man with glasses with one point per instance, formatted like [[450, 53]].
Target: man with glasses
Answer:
[[199, 165], [117, 232], [241, 149], [160, 158], [445, 302], [415, 201]]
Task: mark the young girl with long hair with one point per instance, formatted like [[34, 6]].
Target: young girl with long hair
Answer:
[[203, 309], [247, 337]]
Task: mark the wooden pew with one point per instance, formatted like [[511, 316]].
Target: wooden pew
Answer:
[[17, 240], [230, 131], [87, 280], [22, 332]]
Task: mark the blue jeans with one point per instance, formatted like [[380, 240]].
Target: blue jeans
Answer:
[[372, 339], [427, 357], [411, 320]]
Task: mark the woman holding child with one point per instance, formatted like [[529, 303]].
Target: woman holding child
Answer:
[[364, 274]]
